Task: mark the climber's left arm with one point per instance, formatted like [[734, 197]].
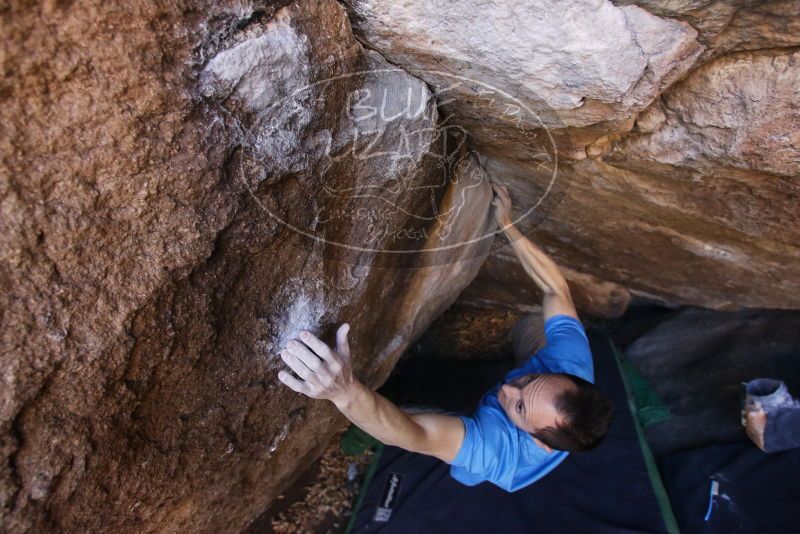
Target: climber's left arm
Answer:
[[325, 373], [540, 267]]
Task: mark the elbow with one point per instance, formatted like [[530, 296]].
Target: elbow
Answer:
[[558, 288], [422, 444], [422, 440]]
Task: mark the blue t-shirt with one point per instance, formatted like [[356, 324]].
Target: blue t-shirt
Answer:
[[494, 449]]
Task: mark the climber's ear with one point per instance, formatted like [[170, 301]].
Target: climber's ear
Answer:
[[342, 345]]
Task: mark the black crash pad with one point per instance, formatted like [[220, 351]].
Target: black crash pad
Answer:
[[728, 488], [697, 361]]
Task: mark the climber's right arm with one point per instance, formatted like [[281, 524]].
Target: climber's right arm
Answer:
[[426, 433], [325, 373]]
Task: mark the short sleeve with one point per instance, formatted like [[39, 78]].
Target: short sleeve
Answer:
[[567, 349], [489, 451]]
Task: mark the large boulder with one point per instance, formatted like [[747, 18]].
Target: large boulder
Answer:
[[183, 188], [731, 25], [710, 189], [185, 185], [651, 146], [583, 64]]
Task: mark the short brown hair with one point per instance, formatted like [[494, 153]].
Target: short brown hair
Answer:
[[586, 413]]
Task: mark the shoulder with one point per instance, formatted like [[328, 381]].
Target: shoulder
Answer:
[[489, 426], [535, 464], [565, 325], [567, 349], [496, 451], [491, 448]]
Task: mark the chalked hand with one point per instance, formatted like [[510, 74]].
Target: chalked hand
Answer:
[[502, 205], [325, 373]]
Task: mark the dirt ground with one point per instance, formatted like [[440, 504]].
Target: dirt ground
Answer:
[[467, 333], [321, 501]]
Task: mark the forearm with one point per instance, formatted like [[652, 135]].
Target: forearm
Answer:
[[539, 266], [380, 418], [323, 373]]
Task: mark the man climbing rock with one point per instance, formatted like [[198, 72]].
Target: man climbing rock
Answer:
[[523, 428]]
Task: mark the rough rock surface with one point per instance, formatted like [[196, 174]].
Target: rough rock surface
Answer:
[[739, 111], [577, 63], [175, 206], [184, 185], [731, 25], [667, 144], [503, 283]]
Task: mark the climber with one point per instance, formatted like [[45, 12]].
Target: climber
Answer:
[[523, 428]]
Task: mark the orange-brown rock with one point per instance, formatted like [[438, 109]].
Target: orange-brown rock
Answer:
[[502, 283], [183, 188]]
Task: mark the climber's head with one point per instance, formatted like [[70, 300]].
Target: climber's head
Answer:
[[560, 411]]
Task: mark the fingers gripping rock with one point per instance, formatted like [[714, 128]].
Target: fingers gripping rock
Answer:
[[324, 373]]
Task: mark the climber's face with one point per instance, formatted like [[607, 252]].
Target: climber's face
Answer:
[[530, 401]]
